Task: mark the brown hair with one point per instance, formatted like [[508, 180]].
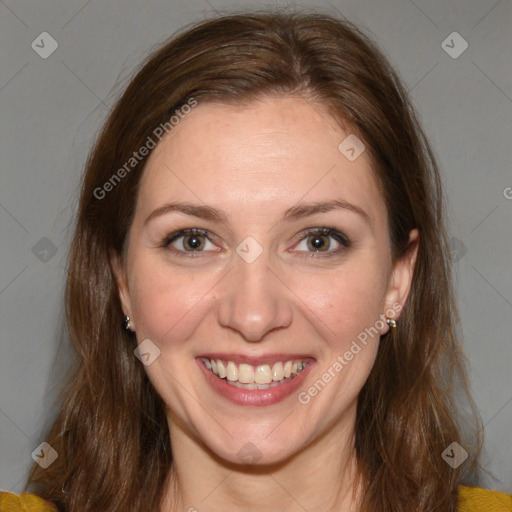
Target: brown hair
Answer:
[[111, 433]]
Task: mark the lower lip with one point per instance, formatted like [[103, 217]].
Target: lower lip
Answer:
[[255, 397]]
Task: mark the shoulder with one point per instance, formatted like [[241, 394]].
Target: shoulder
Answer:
[[24, 502], [474, 499]]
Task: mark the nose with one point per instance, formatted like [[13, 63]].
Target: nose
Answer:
[[253, 300]]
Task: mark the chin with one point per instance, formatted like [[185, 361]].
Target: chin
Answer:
[[251, 451]]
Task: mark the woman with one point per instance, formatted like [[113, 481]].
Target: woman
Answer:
[[264, 213]]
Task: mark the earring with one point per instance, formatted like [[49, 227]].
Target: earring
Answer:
[[126, 323], [391, 322]]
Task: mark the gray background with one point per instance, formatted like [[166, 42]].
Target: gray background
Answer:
[[52, 109]]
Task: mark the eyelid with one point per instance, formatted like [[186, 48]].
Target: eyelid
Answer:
[[340, 237], [326, 231], [183, 232], [169, 239]]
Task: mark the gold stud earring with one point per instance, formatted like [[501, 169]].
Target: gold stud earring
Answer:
[[391, 322], [126, 323]]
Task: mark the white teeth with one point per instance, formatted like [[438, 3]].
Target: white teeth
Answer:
[[231, 371], [263, 374], [245, 374], [221, 369], [260, 377], [277, 371]]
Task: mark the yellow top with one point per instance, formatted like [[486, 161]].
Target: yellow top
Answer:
[[24, 503], [471, 499]]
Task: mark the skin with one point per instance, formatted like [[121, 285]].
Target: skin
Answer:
[[253, 163]]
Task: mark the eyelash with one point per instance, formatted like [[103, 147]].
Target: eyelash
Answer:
[[341, 238]]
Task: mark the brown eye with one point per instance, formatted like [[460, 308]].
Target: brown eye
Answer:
[[190, 240], [320, 240], [193, 242]]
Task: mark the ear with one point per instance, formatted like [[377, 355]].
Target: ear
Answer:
[[400, 280], [116, 262]]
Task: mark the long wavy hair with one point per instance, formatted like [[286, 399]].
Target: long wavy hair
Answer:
[[111, 432]]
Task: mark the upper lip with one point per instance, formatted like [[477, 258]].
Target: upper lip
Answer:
[[257, 359]]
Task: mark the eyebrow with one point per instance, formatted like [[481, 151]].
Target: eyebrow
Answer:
[[294, 213]]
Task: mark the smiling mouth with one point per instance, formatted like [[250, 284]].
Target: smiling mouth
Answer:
[[263, 376]]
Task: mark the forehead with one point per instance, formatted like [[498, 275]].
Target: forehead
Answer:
[[270, 154]]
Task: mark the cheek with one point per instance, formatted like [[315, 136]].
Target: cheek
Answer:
[[168, 304], [342, 304], [343, 307]]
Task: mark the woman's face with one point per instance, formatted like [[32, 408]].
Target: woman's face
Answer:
[[256, 287]]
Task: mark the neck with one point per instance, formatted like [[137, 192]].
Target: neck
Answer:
[[321, 477]]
